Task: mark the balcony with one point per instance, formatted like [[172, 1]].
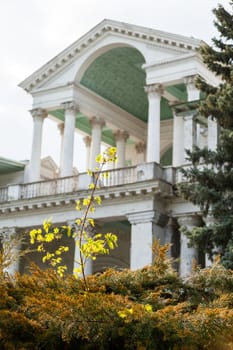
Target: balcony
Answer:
[[116, 178]]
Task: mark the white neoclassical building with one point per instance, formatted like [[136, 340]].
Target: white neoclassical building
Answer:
[[133, 88]]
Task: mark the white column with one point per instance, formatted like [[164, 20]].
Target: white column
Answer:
[[154, 93], [188, 255], [209, 221], [121, 138], [76, 256], [38, 115], [88, 268], [141, 240], [145, 227], [178, 141], [140, 149], [213, 134], [212, 141], [97, 125], [61, 128], [190, 136], [87, 142], [169, 230], [193, 93], [201, 136], [71, 110], [11, 244]]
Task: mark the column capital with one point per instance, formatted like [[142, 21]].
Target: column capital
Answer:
[[190, 80], [192, 91], [140, 147], [71, 106], [188, 117], [154, 216], [189, 220], [204, 131], [154, 89], [61, 127], [171, 221], [96, 121], [87, 140], [39, 113], [209, 220], [121, 135]]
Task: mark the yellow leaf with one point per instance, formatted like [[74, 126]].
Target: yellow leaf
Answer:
[[78, 205], [86, 202], [78, 222], [46, 225], [91, 222], [148, 308], [99, 158], [98, 200], [122, 314]]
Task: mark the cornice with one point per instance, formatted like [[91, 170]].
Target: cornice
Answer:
[[123, 192], [147, 35], [184, 57]]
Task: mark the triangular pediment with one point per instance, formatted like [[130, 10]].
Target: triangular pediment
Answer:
[[161, 40], [48, 163]]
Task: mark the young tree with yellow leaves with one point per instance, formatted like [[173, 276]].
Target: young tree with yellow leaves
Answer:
[[89, 245]]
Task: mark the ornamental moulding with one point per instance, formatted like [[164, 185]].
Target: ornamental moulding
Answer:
[[154, 89], [155, 37], [183, 57], [153, 216], [150, 188], [39, 113], [70, 106]]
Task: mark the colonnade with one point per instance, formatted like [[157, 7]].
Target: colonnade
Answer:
[[93, 142], [186, 132], [67, 132]]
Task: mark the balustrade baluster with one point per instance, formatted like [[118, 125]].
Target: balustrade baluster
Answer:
[[70, 184]]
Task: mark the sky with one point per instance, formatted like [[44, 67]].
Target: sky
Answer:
[[34, 31]]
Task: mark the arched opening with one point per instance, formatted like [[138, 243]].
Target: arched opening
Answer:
[[117, 76]]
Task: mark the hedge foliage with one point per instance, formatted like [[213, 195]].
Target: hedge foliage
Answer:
[[151, 308]]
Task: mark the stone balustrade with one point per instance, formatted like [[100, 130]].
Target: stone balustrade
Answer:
[[110, 178]]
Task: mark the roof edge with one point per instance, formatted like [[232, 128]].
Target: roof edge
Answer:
[[64, 57]]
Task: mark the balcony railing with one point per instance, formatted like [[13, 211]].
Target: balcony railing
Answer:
[[109, 178], [49, 187], [116, 177], [3, 194]]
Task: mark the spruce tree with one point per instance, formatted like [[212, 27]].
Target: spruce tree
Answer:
[[211, 186]]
